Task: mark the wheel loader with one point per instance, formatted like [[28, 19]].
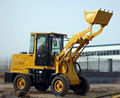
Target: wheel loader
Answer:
[[50, 64]]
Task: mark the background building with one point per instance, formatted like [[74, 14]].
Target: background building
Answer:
[[107, 51], [103, 58]]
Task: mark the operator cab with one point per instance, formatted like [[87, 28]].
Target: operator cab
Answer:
[[46, 46]]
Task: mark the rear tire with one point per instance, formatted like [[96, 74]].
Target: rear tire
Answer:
[[41, 87], [22, 82], [82, 88], [60, 85]]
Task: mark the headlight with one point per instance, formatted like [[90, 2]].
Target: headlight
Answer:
[[40, 71]]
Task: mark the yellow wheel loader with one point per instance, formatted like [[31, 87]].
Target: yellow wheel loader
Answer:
[[49, 63]]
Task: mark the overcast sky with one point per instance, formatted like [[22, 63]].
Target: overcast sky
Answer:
[[20, 17]]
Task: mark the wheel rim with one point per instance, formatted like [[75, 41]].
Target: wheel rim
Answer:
[[21, 83], [58, 85]]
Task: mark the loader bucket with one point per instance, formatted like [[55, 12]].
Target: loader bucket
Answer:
[[98, 17]]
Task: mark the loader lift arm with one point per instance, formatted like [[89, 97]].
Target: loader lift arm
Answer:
[[67, 55], [82, 40]]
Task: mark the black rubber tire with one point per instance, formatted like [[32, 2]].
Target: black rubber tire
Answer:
[[65, 82], [27, 81], [41, 87], [82, 88]]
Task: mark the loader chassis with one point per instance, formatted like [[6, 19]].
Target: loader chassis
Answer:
[[36, 75], [50, 64], [43, 70]]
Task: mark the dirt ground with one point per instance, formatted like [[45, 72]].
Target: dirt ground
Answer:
[[96, 90]]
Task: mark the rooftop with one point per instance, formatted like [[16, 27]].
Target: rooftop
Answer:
[[49, 33]]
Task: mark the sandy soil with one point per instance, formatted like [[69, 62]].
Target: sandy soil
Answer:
[[96, 90]]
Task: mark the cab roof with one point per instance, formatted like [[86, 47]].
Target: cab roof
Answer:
[[65, 35]]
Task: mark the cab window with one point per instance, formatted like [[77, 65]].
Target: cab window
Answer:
[[31, 51]]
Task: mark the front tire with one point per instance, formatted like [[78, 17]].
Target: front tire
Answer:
[[60, 85], [22, 82], [82, 88]]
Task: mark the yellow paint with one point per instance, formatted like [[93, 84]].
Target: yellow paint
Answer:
[[58, 85], [97, 17], [64, 62], [65, 35], [68, 58], [21, 83], [116, 96], [22, 62]]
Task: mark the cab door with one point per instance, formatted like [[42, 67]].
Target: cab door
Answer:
[[41, 50]]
